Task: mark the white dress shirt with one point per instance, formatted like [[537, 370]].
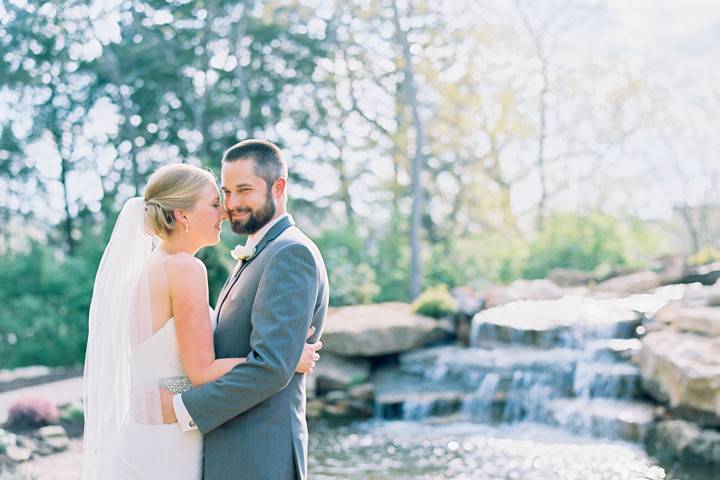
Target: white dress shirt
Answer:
[[183, 416]]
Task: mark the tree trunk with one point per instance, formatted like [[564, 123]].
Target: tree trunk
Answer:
[[126, 130], [418, 161], [242, 92], [68, 223], [345, 197], [199, 105], [691, 228], [541, 150]]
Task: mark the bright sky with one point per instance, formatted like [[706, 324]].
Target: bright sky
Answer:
[[674, 44]]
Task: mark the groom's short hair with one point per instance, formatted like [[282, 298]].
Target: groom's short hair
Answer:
[[269, 162]]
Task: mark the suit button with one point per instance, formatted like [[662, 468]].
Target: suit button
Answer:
[[192, 424]]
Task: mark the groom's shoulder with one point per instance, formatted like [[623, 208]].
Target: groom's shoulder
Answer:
[[293, 239], [297, 236]]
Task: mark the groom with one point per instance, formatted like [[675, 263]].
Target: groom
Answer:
[[253, 418]]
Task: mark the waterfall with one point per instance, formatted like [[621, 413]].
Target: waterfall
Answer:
[[563, 363]]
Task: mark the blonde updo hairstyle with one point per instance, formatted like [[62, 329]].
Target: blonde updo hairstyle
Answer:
[[170, 187]]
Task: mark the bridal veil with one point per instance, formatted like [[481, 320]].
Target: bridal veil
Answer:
[[119, 320]]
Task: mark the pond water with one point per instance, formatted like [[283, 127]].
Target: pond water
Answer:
[[543, 390], [376, 450]]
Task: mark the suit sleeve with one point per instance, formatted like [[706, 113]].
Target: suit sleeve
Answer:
[[281, 316]]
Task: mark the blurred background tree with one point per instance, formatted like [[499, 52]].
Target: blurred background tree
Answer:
[[429, 143]]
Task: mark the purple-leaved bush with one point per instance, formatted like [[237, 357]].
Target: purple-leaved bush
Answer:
[[31, 412]]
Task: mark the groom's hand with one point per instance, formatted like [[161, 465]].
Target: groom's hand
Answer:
[[166, 400], [309, 355]]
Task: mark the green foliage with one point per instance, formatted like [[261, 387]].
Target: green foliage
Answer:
[[389, 260], [435, 302], [445, 266], [44, 302], [352, 280], [581, 242], [45, 298], [6, 438], [72, 418], [72, 413], [707, 254], [219, 264]]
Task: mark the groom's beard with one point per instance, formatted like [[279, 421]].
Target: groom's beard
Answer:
[[257, 218]]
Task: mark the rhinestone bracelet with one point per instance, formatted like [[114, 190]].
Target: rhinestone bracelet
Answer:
[[178, 384]]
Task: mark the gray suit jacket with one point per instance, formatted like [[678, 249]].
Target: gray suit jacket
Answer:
[[253, 418]]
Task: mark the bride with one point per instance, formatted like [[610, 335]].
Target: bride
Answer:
[[150, 328]]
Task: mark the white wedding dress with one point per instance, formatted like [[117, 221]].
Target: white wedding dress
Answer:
[[126, 363], [157, 451]]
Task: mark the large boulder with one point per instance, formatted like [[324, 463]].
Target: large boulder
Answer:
[[683, 370], [523, 290], [667, 314], [567, 322], [694, 294], [701, 320], [378, 329], [567, 277], [633, 283], [338, 373], [705, 274], [670, 267], [692, 308], [469, 302], [678, 439]]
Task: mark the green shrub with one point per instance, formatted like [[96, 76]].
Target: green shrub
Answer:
[[453, 262], [352, 284], [44, 302], [435, 302], [352, 280], [581, 242], [707, 254], [6, 438], [72, 413], [219, 264], [72, 419]]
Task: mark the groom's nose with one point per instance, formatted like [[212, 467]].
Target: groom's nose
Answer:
[[229, 203]]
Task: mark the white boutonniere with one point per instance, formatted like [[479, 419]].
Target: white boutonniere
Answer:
[[242, 252]]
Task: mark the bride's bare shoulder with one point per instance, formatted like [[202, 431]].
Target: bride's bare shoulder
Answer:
[[183, 265]]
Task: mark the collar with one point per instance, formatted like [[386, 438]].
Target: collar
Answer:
[[255, 239]]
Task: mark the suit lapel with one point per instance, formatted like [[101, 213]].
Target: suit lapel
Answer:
[[272, 234], [223, 290]]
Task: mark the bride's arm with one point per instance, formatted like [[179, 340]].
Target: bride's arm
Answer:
[[187, 281]]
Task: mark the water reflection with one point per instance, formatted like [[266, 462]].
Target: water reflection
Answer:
[[411, 450]]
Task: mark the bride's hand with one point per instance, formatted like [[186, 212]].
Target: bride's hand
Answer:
[[309, 355], [168, 411]]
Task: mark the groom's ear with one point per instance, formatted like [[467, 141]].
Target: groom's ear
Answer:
[[278, 188]]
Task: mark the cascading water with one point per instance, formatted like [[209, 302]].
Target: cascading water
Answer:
[[564, 363]]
